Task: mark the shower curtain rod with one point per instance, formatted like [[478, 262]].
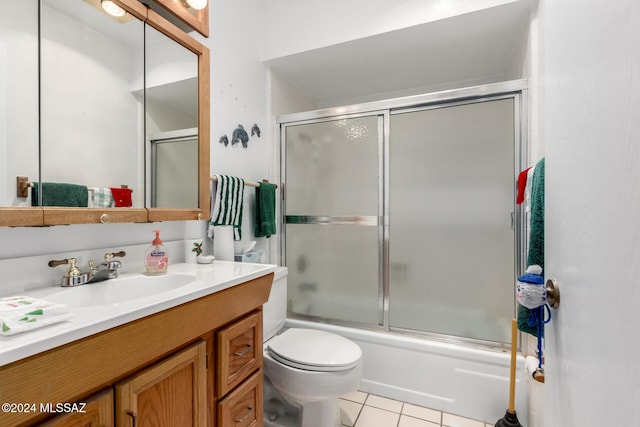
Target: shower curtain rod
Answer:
[[249, 183]]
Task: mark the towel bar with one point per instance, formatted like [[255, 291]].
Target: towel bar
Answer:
[[249, 183]]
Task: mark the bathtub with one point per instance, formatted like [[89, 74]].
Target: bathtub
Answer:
[[453, 378]]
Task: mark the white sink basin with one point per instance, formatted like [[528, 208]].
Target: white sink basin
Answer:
[[114, 291]]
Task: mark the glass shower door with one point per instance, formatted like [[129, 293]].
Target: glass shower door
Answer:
[[331, 208], [451, 238]]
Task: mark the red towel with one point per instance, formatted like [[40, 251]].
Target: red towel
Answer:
[[522, 183], [122, 197]]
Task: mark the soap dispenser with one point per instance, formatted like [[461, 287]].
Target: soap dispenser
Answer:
[[156, 259]]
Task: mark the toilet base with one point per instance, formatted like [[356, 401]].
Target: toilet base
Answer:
[[321, 414], [282, 412]]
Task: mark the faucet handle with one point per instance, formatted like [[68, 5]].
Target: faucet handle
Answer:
[[73, 270], [110, 255]]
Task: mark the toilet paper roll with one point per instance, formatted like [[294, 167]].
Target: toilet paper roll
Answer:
[[223, 243], [530, 365]]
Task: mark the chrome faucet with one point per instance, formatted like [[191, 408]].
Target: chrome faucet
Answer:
[[108, 268], [75, 277]]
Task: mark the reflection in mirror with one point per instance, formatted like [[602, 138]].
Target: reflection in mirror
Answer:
[[18, 97], [171, 122], [92, 104], [171, 152]]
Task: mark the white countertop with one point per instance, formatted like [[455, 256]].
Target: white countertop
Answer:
[[86, 321]]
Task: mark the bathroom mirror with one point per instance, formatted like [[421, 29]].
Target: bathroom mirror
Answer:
[[171, 73], [94, 122], [181, 68], [92, 109], [18, 108]]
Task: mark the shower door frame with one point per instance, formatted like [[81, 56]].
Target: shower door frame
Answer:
[[514, 89]]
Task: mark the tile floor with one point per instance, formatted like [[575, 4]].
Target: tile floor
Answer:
[[360, 409]]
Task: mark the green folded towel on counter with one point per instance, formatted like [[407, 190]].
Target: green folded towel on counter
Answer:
[[265, 221], [61, 194]]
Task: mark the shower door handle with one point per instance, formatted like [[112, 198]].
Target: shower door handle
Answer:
[[513, 220]]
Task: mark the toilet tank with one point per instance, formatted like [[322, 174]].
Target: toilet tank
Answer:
[[274, 312]]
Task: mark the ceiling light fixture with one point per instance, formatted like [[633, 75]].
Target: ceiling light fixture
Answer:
[[195, 4], [112, 9]]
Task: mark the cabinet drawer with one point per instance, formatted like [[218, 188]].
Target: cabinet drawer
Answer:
[[239, 352], [243, 406]]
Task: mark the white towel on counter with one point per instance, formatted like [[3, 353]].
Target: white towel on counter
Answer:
[[21, 314]]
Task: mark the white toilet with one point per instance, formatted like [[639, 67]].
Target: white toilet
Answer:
[[306, 370]]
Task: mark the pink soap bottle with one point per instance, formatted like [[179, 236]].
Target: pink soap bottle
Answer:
[[156, 259]]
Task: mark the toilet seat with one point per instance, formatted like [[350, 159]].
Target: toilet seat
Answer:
[[314, 350]]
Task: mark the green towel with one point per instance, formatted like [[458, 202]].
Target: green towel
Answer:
[[265, 221], [60, 194], [536, 239], [536, 231]]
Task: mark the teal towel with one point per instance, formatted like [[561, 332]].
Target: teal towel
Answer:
[[265, 221], [61, 194], [536, 239], [536, 231]]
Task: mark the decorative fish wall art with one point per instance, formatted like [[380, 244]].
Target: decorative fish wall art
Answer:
[[240, 136]]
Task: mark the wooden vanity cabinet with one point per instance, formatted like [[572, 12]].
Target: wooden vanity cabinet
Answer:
[[170, 393], [166, 369], [98, 412]]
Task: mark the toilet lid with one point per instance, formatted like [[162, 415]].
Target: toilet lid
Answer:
[[314, 350]]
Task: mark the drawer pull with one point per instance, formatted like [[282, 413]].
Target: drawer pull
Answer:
[[245, 351], [134, 418], [243, 419]]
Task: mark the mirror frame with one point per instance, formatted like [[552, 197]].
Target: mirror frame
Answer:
[[38, 216]]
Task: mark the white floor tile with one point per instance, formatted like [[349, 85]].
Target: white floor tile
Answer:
[[374, 417], [349, 412], [422, 413], [450, 420], [406, 421], [356, 396], [384, 403]]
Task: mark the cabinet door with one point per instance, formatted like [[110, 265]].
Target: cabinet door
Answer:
[[239, 352], [97, 411], [168, 394], [243, 406]]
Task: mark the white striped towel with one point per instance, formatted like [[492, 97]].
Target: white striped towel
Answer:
[[227, 194], [21, 314], [102, 198]]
